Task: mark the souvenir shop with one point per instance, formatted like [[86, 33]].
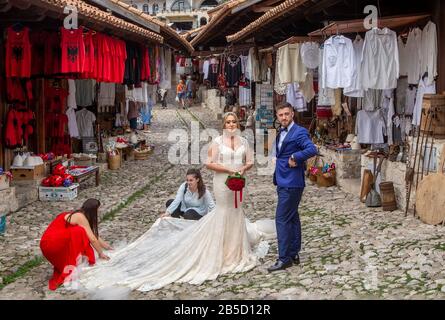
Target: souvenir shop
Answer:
[[367, 96], [74, 101]]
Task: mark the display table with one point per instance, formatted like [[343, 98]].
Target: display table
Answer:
[[82, 174]]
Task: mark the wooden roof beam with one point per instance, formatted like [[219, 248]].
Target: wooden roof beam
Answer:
[[261, 9]]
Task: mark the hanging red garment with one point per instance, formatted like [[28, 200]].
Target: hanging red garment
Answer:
[[62, 244], [53, 54], [88, 67], [73, 50], [102, 60], [38, 39], [27, 117], [15, 91], [145, 72], [110, 70], [18, 53], [56, 124], [56, 99], [13, 129]]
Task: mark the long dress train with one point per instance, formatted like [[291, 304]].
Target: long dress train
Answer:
[[178, 250]]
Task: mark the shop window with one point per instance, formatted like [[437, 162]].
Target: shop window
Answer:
[[145, 8], [203, 21], [155, 8]]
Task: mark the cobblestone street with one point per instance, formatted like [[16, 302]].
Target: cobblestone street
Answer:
[[349, 251]]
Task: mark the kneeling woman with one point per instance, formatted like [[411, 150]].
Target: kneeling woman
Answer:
[[70, 236], [192, 200]]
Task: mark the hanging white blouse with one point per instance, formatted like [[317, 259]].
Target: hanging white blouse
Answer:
[[422, 89], [413, 55], [428, 54], [356, 89], [403, 61], [380, 60], [338, 62]]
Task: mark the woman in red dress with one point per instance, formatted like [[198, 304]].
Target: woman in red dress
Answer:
[[69, 237]]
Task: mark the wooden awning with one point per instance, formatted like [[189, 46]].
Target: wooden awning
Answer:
[[268, 17], [354, 26]]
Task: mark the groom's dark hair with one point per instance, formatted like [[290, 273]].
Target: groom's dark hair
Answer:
[[284, 105], [201, 186]]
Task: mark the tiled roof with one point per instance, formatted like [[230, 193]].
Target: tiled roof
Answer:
[[96, 15], [266, 18], [216, 19]]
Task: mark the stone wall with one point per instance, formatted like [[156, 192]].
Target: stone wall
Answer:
[[348, 168], [8, 200]]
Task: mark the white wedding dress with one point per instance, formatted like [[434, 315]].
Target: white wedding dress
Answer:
[[178, 250]]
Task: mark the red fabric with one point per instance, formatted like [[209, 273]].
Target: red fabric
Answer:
[[145, 72], [89, 64], [53, 54], [14, 90], [18, 127], [62, 244], [38, 39], [56, 124], [56, 99], [13, 130], [18, 53], [73, 50]]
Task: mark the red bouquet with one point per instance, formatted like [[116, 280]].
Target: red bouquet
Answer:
[[236, 183]]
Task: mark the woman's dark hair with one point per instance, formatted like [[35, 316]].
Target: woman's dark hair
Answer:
[[89, 209], [201, 186]]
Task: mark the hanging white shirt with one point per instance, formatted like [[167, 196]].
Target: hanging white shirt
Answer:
[[370, 127], [428, 54], [422, 89], [71, 100], [356, 89], [403, 61], [411, 93], [205, 69], [413, 50], [325, 95], [338, 62], [72, 123], [380, 60]]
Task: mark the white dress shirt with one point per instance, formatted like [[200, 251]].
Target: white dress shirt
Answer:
[[403, 61], [338, 62], [283, 135], [380, 60]]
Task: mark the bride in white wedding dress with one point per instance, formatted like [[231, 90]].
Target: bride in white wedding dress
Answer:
[[193, 251]]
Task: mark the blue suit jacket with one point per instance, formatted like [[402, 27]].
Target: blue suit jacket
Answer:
[[299, 144]]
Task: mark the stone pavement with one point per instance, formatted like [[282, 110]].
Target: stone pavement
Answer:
[[349, 251]]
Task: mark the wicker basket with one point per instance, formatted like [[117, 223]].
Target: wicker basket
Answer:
[[141, 155], [326, 179]]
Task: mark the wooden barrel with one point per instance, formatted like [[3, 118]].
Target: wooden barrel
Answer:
[[435, 104], [114, 162], [388, 195]]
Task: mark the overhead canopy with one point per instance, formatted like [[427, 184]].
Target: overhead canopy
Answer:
[[48, 11], [301, 17], [228, 18]]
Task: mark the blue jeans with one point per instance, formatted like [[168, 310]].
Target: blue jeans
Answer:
[[288, 223]]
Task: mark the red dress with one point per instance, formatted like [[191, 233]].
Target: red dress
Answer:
[[62, 244]]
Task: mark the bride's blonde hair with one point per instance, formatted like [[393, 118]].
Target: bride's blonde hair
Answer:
[[226, 115]]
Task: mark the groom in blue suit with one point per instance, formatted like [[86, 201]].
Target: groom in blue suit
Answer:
[[292, 148]]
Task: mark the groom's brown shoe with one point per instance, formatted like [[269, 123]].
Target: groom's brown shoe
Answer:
[[279, 265]]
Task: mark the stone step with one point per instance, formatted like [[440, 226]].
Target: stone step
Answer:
[[26, 195], [352, 186]]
